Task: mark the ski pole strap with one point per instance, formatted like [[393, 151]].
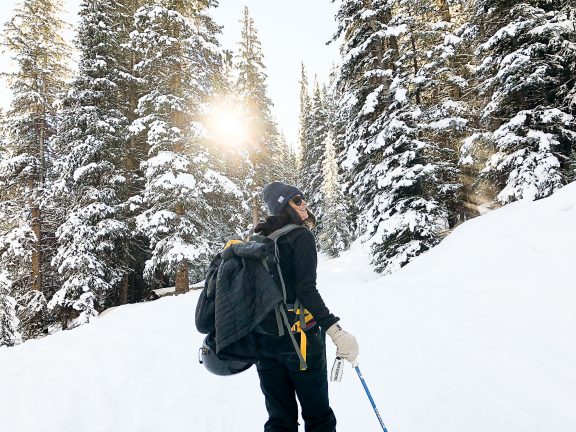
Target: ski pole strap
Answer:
[[370, 398]]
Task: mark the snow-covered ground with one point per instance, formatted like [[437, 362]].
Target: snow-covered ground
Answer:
[[479, 334]]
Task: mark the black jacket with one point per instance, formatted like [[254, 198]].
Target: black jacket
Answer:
[[298, 262]]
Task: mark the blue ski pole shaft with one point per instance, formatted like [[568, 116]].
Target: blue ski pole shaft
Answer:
[[370, 397]]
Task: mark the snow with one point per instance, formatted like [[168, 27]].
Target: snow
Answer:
[[400, 94], [554, 28], [372, 101], [448, 123], [476, 335], [163, 291], [507, 32]]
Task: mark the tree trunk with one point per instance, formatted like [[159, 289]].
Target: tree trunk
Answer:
[[255, 211], [393, 40], [178, 119], [415, 64], [37, 250], [124, 290], [182, 280], [379, 48], [36, 185], [444, 10]]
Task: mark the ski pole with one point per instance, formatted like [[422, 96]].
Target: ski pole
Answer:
[[370, 397]]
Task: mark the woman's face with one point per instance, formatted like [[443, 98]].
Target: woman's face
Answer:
[[299, 204]]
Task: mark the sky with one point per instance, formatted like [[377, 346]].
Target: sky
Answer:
[[291, 32]]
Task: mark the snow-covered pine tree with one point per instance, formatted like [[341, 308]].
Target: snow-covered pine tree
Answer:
[[283, 158], [392, 170], [312, 157], [225, 140], [33, 37], [303, 120], [130, 88], [335, 236], [92, 141], [337, 122], [442, 77], [179, 60], [9, 322], [135, 251], [569, 103], [528, 50], [262, 138]]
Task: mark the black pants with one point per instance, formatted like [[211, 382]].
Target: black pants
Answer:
[[281, 381]]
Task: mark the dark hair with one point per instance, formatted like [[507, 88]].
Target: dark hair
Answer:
[[293, 216], [288, 216]]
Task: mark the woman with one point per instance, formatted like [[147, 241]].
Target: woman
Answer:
[[281, 378]]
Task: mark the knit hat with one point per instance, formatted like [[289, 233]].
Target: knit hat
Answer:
[[277, 194]]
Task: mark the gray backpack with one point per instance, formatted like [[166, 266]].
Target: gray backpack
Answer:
[[231, 325]]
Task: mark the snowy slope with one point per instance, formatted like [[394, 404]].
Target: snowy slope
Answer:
[[476, 335]]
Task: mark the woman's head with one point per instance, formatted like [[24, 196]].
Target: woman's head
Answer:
[[277, 196], [285, 199], [282, 198], [286, 205]]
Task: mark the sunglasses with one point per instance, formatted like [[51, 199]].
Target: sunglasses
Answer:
[[297, 200]]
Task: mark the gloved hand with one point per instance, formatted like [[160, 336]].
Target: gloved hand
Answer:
[[346, 345]]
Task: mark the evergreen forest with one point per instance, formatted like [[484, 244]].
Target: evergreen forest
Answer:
[[118, 177]]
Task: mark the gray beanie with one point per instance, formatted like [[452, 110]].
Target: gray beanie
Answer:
[[277, 194]]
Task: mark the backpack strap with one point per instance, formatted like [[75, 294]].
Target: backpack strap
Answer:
[[281, 315], [275, 235]]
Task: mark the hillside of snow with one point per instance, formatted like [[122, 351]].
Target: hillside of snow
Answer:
[[477, 335]]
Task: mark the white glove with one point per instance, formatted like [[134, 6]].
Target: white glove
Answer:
[[346, 345]]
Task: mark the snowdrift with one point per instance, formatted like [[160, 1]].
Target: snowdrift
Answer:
[[476, 335]]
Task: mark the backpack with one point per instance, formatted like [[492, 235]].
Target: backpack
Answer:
[[243, 286]]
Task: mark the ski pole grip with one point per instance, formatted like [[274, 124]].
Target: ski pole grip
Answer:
[[337, 370]]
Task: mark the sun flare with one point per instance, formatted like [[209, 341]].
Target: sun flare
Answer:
[[227, 123]]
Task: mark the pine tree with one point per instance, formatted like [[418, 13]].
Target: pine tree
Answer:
[[529, 51], [312, 159], [442, 77], [135, 250], [262, 139], [569, 103], [303, 120], [9, 322], [335, 236], [179, 59], [33, 36], [286, 161], [393, 172], [92, 141], [226, 142]]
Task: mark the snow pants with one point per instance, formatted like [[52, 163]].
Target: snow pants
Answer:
[[281, 381]]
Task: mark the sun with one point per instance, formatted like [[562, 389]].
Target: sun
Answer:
[[227, 123]]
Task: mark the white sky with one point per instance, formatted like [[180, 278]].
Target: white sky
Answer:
[[290, 32]]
